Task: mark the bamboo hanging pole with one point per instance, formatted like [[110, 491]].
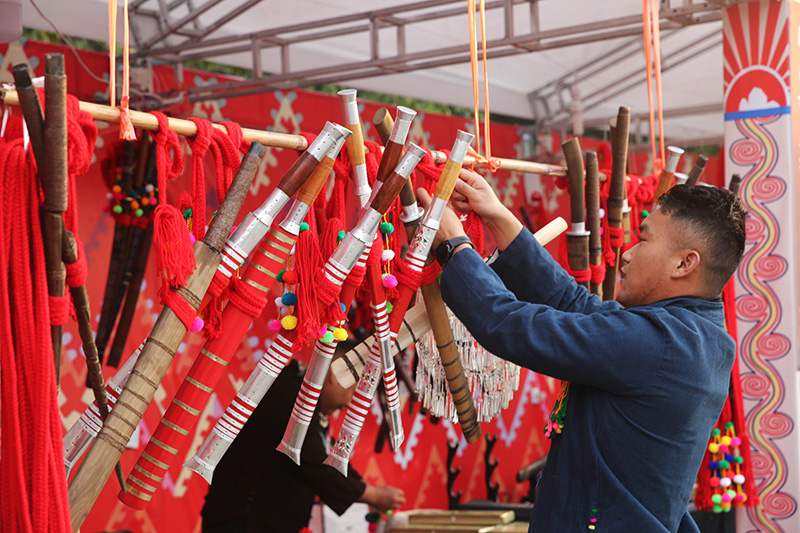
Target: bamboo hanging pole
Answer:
[[268, 138]]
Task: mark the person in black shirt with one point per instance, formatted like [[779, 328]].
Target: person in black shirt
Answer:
[[258, 489]]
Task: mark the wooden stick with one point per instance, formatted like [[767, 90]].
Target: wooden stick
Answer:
[[156, 356], [616, 195], [577, 237], [269, 138], [593, 217], [80, 297], [697, 170]]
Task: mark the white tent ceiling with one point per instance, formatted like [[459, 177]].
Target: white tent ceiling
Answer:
[[691, 48]]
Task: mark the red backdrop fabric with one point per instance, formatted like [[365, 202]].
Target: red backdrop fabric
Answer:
[[420, 466]]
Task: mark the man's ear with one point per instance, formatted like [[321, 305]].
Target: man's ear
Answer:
[[688, 263]]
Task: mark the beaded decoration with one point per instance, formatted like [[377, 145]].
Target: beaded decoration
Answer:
[[492, 381], [727, 479], [387, 278], [555, 422]]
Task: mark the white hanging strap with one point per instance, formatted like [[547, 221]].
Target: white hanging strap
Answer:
[[25, 137], [5, 121]]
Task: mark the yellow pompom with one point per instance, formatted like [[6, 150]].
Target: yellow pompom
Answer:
[[726, 440], [289, 322], [340, 334], [713, 447]]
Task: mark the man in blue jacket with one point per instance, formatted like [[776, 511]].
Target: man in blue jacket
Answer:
[[649, 372]]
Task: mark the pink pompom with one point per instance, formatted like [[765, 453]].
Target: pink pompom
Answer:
[[192, 239], [322, 331], [275, 326], [197, 324], [738, 498], [153, 202], [389, 281], [726, 497], [723, 448], [736, 441]]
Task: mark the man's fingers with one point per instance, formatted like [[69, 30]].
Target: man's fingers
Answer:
[[423, 198]]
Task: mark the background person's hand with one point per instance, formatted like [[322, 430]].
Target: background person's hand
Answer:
[[384, 497], [450, 225]]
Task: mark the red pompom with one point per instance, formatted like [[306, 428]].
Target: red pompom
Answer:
[[290, 277]]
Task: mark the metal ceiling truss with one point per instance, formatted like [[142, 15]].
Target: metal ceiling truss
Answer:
[[181, 37]]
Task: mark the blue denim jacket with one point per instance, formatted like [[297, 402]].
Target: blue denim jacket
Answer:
[[648, 384]]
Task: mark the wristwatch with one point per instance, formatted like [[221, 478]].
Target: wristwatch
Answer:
[[446, 248]]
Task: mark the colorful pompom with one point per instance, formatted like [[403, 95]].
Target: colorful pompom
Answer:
[[714, 482], [197, 324], [726, 440], [303, 226], [279, 302], [290, 277], [386, 228], [340, 236], [740, 498], [713, 465], [738, 479], [340, 334], [139, 212], [328, 337], [723, 465], [389, 281], [274, 326], [713, 447], [387, 255], [321, 331], [289, 322], [645, 213], [725, 482], [723, 448], [117, 209], [389, 308], [716, 498], [736, 441], [289, 298], [280, 276], [715, 432], [192, 238]]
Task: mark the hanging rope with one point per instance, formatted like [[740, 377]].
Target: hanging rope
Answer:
[[652, 57], [484, 161], [33, 488]]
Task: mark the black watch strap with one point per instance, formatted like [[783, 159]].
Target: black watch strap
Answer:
[[446, 248]]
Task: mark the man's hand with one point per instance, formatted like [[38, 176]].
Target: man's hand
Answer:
[[473, 193], [449, 227], [383, 497]]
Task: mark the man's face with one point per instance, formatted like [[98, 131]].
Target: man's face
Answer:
[[646, 267]]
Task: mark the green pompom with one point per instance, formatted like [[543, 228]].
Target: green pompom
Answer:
[[645, 213], [729, 425], [715, 432], [738, 459], [117, 209], [303, 226], [717, 499], [187, 213], [139, 212], [280, 276], [386, 228], [716, 508], [389, 307], [724, 465], [340, 236], [328, 337]]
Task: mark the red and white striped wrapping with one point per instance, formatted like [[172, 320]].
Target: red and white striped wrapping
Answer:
[[383, 338], [85, 429], [339, 457], [192, 397], [278, 355], [307, 398]]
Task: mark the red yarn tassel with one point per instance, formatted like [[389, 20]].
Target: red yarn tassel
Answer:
[[173, 246], [307, 263]]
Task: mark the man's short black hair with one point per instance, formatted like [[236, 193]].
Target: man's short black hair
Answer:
[[716, 217]]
